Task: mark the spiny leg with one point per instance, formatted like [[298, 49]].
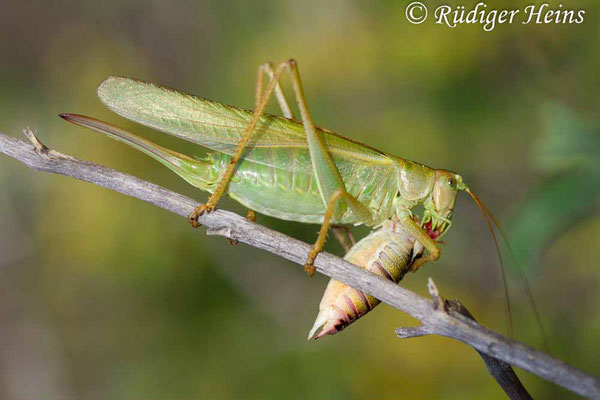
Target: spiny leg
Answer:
[[342, 232], [267, 68], [329, 181], [433, 250], [338, 195], [309, 267], [227, 175], [327, 175]]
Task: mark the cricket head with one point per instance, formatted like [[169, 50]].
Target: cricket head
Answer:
[[437, 217]]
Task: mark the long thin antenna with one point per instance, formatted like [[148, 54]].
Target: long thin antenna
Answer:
[[524, 280], [502, 269]]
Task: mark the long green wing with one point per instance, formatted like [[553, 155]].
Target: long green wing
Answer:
[[218, 126]]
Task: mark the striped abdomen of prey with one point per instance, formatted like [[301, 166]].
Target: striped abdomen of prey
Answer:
[[388, 252]]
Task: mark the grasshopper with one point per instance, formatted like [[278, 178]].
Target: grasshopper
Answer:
[[281, 167]]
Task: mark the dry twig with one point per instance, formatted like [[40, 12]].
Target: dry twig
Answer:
[[500, 371]]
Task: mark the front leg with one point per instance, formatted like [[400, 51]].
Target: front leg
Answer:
[[433, 250]]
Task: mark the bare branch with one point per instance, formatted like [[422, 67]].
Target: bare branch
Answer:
[[238, 228], [438, 300], [501, 371]]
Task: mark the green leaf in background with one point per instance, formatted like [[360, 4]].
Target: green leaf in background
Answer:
[[568, 151]]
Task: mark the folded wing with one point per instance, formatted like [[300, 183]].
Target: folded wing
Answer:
[[219, 127]]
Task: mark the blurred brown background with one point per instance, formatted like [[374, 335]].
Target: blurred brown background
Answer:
[[104, 296]]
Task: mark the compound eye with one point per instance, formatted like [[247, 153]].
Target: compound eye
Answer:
[[451, 182]]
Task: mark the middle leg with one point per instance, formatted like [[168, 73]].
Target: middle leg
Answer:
[[261, 103]]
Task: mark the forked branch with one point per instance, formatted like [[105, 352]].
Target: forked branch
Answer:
[[435, 320], [501, 371]]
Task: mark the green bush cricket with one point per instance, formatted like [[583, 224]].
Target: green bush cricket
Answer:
[[285, 168]]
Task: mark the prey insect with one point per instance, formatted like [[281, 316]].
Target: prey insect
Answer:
[[283, 167], [388, 252]]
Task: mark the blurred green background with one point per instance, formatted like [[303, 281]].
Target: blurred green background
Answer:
[[104, 296]]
